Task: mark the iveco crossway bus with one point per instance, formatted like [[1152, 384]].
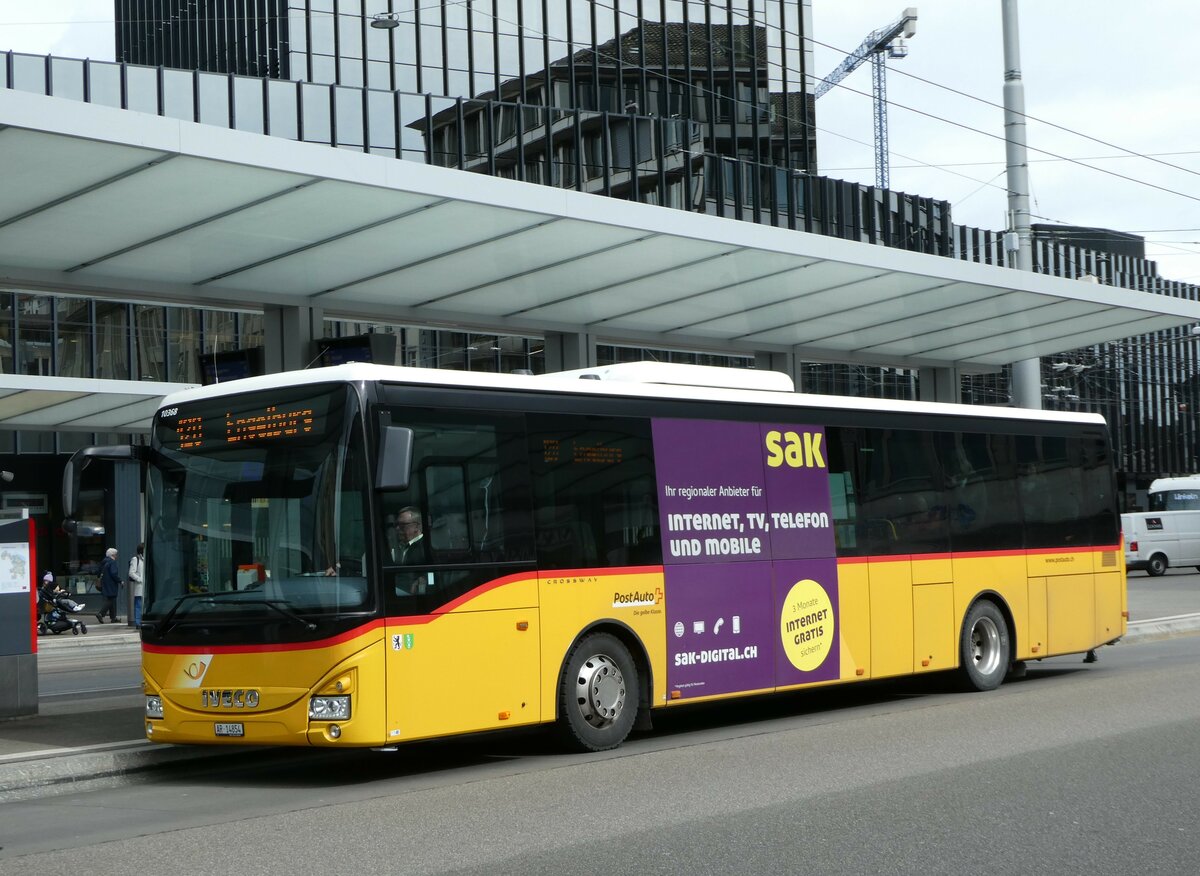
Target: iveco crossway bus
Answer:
[[598, 546]]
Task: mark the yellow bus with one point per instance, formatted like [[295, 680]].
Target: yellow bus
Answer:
[[368, 555]]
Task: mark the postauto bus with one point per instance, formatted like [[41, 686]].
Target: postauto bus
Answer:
[[597, 545]]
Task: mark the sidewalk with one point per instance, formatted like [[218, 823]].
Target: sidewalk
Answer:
[[107, 636], [83, 740]]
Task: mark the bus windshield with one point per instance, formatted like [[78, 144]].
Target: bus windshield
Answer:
[[1175, 500], [257, 513]]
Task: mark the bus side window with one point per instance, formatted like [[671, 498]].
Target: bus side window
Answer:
[[1065, 491], [843, 501], [469, 490], [594, 491], [903, 502], [1098, 493]]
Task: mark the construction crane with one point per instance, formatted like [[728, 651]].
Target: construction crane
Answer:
[[887, 42]]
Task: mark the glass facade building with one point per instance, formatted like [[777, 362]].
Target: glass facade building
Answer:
[[249, 37], [699, 105], [738, 67]]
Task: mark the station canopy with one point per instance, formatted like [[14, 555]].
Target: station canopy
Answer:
[[117, 204]]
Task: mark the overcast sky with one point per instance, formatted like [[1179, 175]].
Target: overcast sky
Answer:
[[1117, 72], [1123, 73]]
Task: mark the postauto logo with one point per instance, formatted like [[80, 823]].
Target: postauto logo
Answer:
[[637, 598]]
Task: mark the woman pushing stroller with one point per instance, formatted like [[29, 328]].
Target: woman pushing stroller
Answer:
[[56, 608]]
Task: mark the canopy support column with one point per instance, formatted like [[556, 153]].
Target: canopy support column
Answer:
[[567, 351], [940, 385], [288, 335]]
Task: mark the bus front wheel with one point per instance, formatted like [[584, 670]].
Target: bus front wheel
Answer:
[[598, 694], [985, 647]]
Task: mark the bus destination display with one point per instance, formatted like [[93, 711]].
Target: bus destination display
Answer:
[[274, 423]]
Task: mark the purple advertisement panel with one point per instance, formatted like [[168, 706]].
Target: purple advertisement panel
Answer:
[[748, 555], [711, 494], [799, 513], [721, 628], [806, 600]]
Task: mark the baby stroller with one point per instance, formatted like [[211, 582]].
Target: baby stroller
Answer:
[[56, 610]]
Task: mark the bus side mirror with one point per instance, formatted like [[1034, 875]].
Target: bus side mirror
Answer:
[[395, 458], [73, 471]]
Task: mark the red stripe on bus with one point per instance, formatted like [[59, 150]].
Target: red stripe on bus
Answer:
[[398, 619], [523, 576]]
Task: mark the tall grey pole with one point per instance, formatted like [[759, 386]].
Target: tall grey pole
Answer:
[[1027, 374]]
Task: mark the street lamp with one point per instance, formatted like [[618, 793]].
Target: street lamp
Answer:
[[385, 20]]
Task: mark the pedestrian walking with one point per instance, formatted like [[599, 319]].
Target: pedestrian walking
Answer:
[[136, 574], [110, 586]]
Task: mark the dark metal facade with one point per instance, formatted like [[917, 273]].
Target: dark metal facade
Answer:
[[248, 37]]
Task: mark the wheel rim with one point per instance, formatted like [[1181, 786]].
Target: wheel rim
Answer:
[[985, 646], [600, 691]]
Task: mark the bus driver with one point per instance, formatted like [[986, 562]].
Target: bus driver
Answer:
[[411, 550]]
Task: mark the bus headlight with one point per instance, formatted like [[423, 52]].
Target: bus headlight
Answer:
[[329, 708], [154, 706]]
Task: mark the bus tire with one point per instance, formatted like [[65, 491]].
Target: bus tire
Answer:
[[985, 647], [1156, 565], [598, 694]]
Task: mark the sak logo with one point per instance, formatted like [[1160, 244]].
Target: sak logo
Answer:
[[795, 450], [402, 642], [637, 598]]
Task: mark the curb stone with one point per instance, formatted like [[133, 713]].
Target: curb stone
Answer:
[[61, 771], [1160, 628]]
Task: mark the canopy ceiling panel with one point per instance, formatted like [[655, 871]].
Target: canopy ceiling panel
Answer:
[[292, 215], [42, 168], [79, 404], [410, 237], [447, 281], [708, 303], [117, 204], [647, 259]]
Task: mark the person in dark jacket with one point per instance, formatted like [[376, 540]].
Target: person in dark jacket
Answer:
[[110, 586]]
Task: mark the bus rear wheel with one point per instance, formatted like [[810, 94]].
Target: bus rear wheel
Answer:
[[598, 694], [985, 648]]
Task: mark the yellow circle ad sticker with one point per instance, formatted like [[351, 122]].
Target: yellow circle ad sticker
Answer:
[[806, 625]]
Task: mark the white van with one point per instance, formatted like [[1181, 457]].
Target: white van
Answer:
[[1169, 533]]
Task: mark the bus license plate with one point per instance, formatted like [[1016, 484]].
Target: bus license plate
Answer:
[[230, 729]]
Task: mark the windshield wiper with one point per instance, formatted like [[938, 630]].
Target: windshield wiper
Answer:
[[185, 598], [280, 606], [277, 605]]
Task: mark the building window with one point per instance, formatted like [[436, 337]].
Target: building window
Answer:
[[74, 337], [112, 340], [150, 341], [35, 334]]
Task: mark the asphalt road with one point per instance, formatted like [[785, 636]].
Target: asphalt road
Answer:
[[1075, 769], [85, 673], [1176, 592]]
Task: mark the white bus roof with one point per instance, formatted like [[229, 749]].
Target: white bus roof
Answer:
[[1187, 482], [641, 380]]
